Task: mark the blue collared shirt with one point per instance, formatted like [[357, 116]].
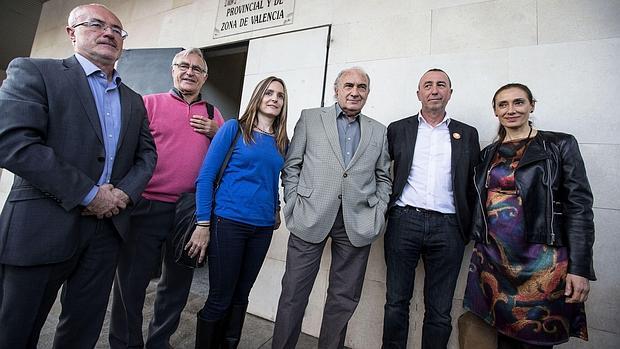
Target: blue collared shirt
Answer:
[[108, 102], [349, 134]]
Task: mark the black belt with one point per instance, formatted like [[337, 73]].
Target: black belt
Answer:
[[425, 211]]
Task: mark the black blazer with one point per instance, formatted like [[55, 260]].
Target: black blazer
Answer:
[[51, 139], [402, 136]]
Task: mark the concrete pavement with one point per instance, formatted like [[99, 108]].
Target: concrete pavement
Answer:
[[257, 332]]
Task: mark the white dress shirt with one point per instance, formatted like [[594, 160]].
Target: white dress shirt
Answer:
[[429, 185]]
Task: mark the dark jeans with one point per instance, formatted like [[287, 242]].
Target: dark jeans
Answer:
[[236, 253], [412, 233]]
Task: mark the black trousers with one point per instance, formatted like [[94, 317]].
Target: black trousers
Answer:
[[28, 293], [141, 256]]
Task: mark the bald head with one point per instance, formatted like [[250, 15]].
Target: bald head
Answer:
[[96, 34], [81, 13]]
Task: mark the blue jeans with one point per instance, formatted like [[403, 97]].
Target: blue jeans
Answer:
[[236, 253], [413, 233]]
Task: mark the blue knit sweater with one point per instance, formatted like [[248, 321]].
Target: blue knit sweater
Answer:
[[248, 190]]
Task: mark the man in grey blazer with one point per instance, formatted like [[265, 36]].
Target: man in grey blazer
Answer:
[[336, 184], [78, 142]]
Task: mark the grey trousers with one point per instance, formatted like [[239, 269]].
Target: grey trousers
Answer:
[[346, 278]]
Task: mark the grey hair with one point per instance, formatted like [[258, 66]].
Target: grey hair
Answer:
[[343, 71], [191, 51], [73, 15]]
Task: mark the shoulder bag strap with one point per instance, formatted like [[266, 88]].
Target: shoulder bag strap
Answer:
[[210, 111], [216, 184]]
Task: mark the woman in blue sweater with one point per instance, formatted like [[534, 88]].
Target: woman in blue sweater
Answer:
[[236, 224]]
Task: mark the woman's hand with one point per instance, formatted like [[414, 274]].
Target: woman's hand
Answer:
[[577, 288], [197, 245]]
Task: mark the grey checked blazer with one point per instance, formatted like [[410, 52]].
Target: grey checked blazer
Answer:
[[316, 181]]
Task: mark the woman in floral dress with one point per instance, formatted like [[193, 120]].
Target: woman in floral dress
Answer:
[[533, 227]]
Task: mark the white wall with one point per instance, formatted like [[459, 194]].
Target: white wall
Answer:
[[6, 179], [565, 50]]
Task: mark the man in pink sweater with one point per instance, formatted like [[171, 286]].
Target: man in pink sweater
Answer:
[[182, 128]]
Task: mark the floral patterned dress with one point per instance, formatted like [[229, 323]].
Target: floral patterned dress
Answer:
[[515, 286]]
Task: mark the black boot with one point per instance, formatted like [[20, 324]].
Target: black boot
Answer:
[[207, 332], [236, 317]]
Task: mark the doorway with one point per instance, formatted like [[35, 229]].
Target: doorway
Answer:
[[225, 83], [147, 71]]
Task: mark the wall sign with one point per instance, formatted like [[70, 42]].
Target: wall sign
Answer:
[[240, 16]]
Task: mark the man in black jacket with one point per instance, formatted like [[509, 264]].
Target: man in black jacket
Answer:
[[430, 212]]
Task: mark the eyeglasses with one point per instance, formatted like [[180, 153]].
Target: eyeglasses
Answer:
[[102, 26], [185, 67]]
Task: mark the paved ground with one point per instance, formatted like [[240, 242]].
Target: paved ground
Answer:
[[257, 332]]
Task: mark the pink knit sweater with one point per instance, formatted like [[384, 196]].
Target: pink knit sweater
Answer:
[[180, 150]]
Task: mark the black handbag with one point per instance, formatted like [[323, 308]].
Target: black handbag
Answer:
[[184, 225], [185, 217]]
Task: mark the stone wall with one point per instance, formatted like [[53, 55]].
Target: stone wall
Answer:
[[565, 50]]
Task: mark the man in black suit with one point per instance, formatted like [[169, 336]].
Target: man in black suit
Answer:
[[430, 212], [78, 142]]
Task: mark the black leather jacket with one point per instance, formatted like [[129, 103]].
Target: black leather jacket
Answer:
[[557, 200]]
